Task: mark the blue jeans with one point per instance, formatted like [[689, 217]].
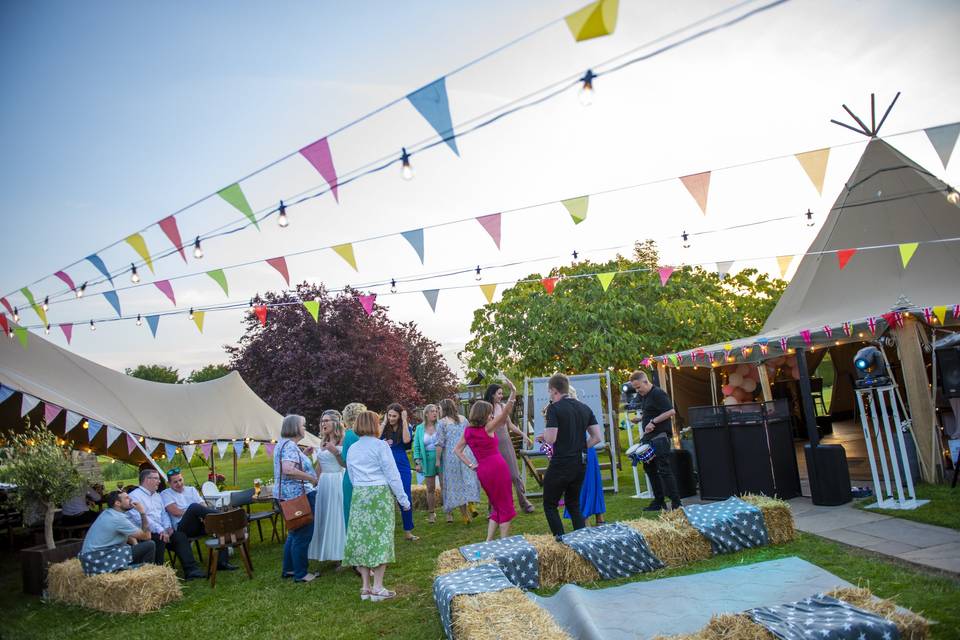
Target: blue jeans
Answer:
[[296, 547]]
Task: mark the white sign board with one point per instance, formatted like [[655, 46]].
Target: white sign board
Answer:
[[588, 392]]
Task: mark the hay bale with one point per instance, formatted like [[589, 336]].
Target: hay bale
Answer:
[[673, 539], [418, 497], [449, 561], [726, 627], [141, 590], [559, 564], [777, 516], [502, 614], [910, 625]]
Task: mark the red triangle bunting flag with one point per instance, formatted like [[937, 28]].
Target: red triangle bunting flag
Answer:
[[844, 255], [6, 305], [280, 264], [4, 324], [167, 288], [169, 227], [549, 284], [261, 312], [491, 225], [805, 334], [318, 155]]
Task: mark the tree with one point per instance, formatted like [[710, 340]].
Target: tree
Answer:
[[581, 328], [43, 471], [155, 373], [304, 366], [209, 372], [429, 369]]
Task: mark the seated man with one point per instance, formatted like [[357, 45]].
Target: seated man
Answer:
[[161, 529], [186, 510], [106, 548], [75, 511]]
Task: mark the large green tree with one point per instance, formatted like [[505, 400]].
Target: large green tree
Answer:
[[155, 373], [581, 328], [209, 372]]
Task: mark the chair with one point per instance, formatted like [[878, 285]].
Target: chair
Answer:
[[816, 393], [229, 530], [245, 499], [212, 495]]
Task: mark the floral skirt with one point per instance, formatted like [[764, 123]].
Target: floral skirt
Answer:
[[370, 528]]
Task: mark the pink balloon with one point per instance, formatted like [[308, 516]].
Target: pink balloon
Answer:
[[727, 389]]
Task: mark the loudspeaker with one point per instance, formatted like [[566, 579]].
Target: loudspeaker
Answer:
[[829, 475], [948, 371], [681, 462]]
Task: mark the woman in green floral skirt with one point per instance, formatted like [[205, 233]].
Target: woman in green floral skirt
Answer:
[[370, 529]]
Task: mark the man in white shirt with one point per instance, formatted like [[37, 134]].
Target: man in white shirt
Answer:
[[186, 510], [161, 528]]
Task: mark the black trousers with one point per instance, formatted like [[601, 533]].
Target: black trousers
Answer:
[[563, 479], [660, 472], [180, 544], [191, 525], [143, 552]]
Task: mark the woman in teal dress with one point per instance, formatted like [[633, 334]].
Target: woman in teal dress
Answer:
[[350, 413], [425, 456]]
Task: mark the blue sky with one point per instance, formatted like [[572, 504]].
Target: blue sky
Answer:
[[115, 114]]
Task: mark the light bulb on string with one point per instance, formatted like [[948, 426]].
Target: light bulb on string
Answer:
[[282, 218], [46, 303], [406, 171], [197, 249], [46, 329], [809, 215], [10, 333], [191, 313], [93, 327], [686, 240], [575, 255], [16, 314], [134, 276], [393, 285], [139, 321], [81, 290], [477, 277], [586, 90], [952, 196]]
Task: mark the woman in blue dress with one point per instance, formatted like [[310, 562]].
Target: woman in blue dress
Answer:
[[396, 432]]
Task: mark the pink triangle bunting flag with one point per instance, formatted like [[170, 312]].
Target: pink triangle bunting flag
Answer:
[[67, 329], [6, 305], [872, 323], [783, 345], [167, 289], [928, 315], [169, 226], [280, 264], [698, 185], [270, 446], [318, 154], [491, 224], [847, 329], [828, 330], [367, 302], [131, 444], [4, 324], [805, 334], [206, 449], [67, 279], [50, 412], [665, 273], [956, 312]]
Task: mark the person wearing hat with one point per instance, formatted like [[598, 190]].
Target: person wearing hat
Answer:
[[656, 409]]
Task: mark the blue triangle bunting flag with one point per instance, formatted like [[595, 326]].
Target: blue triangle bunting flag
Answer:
[[102, 268], [238, 447], [943, 139], [5, 393], [93, 428], [154, 322], [431, 296], [170, 450], [114, 301], [431, 102], [415, 238]]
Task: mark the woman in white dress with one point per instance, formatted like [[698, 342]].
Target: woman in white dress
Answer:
[[330, 532]]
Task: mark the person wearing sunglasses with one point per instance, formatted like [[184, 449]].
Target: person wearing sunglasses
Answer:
[[187, 510]]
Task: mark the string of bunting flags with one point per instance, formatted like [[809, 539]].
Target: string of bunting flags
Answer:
[[594, 20], [74, 421]]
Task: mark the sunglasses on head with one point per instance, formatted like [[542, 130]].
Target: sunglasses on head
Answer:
[[172, 472]]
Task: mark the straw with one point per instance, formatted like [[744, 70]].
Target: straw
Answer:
[[559, 564], [502, 614], [141, 590]]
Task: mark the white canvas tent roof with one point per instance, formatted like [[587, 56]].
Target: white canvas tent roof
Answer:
[[888, 200], [223, 409]]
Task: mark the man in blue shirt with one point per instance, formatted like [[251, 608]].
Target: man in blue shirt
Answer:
[[113, 528]]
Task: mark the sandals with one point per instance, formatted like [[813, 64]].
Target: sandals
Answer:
[[431, 518], [382, 594], [449, 518], [310, 577], [412, 538], [364, 594]]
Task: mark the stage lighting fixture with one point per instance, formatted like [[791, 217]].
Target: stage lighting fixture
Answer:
[[870, 367]]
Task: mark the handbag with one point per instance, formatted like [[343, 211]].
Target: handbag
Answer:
[[296, 511]]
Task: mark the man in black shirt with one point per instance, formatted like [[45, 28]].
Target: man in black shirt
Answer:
[[656, 411], [568, 423]]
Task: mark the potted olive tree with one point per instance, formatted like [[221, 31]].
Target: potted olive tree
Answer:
[[44, 475]]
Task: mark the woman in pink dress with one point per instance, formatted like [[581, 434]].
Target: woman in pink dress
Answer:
[[491, 468]]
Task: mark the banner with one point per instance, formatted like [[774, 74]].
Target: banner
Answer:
[[280, 264], [345, 251], [415, 238], [318, 154], [431, 101], [814, 163], [67, 329], [431, 296], [222, 448], [698, 185], [491, 224], [234, 195], [190, 449], [114, 301], [67, 279], [95, 260], [198, 319], [606, 278], [112, 434], [221, 279], [577, 208], [140, 246], [153, 322], [27, 404], [843, 257], [489, 290], [313, 308], [594, 20], [943, 139], [169, 227]]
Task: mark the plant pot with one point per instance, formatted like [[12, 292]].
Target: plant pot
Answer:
[[35, 560]]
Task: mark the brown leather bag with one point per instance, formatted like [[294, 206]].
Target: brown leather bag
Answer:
[[296, 511]]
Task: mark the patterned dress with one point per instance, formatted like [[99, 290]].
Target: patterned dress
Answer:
[[460, 484]]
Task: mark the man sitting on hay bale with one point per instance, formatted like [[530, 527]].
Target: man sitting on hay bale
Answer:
[[107, 546]]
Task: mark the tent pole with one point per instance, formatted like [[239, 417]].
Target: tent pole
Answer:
[[914, 372], [764, 382], [713, 386], [806, 400], [234, 467]]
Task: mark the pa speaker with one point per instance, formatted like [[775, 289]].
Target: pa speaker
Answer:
[[948, 365]]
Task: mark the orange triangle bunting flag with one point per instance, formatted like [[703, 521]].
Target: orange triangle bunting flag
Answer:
[[815, 164], [698, 185]]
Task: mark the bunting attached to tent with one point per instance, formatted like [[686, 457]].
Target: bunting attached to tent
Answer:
[[698, 184], [847, 329], [784, 263], [415, 238], [93, 428], [594, 20], [665, 273], [577, 208], [928, 315], [71, 421], [131, 444], [261, 312], [150, 445], [167, 289], [270, 446], [280, 264], [222, 448], [153, 322], [114, 301], [33, 304], [907, 249], [50, 412], [198, 319], [67, 329], [169, 450], [67, 279], [843, 257], [221, 279], [254, 446], [238, 447], [940, 312], [872, 324], [943, 139], [318, 154], [345, 251], [140, 246], [783, 344], [549, 284], [367, 302], [112, 434], [22, 336], [190, 449], [5, 393], [169, 227], [234, 195], [313, 308], [828, 330], [815, 164], [491, 224], [431, 101], [207, 449], [27, 404], [431, 296], [488, 291], [95, 260]]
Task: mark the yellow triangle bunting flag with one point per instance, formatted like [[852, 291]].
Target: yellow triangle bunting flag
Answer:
[[313, 307], [140, 246], [577, 207], [784, 263], [941, 313], [815, 164], [345, 251], [594, 20], [198, 319], [907, 249], [606, 278], [488, 291]]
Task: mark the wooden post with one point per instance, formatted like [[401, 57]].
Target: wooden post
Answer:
[[234, 466], [764, 382], [918, 395]]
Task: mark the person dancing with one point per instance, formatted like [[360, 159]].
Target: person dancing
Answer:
[[494, 395]]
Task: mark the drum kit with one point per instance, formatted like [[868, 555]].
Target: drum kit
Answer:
[[640, 452]]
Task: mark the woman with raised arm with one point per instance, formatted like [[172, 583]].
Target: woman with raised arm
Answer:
[[491, 468], [494, 395]]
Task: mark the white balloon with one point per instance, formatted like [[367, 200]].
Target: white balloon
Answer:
[[749, 385], [735, 379], [730, 400]]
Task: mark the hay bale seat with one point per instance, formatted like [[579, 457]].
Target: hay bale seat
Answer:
[[777, 516], [418, 498], [502, 614], [728, 626], [141, 590]]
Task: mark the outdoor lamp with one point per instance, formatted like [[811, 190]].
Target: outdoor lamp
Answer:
[[406, 171], [586, 90], [282, 218], [870, 367]]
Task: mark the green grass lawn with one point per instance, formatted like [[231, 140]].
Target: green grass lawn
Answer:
[[942, 510], [329, 607]]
